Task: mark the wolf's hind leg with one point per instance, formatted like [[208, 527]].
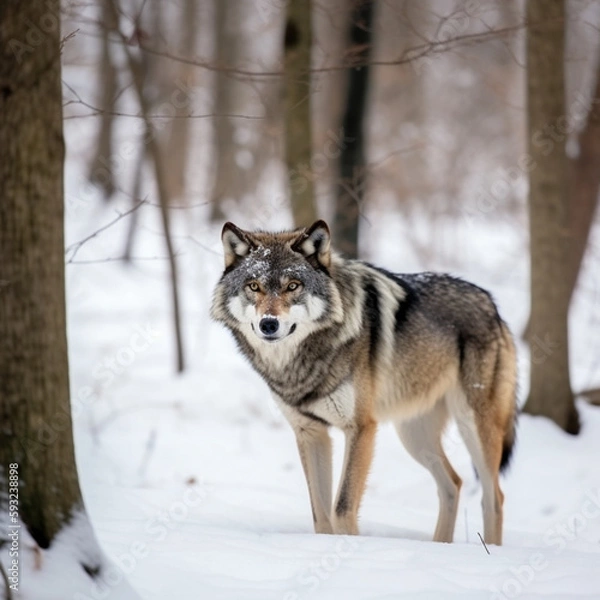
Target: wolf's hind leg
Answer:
[[314, 446], [422, 437], [484, 443]]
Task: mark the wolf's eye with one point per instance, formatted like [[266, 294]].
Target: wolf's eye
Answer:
[[254, 286], [293, 285]]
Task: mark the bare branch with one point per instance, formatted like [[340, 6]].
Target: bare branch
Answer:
[[67, 38], [409, 55], [74, 248], [116, 259], [96, 111]]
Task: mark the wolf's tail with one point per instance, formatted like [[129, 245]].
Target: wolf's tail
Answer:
[[506, 381], [508, 443]]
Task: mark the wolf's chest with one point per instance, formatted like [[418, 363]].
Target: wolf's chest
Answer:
[[337, 408]]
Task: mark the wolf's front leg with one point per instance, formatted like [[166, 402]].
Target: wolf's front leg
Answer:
[[360, 440], [314, 445]]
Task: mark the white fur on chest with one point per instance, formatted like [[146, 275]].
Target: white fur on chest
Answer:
[[337, 408]]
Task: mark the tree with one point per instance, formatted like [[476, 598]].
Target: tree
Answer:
[[550, 391], [298, 127], [584, 183], [34, 377], [352, 167], [230, 181], [36, 432], [100, 168]]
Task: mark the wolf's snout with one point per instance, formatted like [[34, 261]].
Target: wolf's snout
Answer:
[[268, 325]]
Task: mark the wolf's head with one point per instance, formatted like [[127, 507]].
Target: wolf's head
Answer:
[[277, 286]]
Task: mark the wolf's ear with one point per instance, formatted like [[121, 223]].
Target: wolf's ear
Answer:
[[314, 244], [236, 244]]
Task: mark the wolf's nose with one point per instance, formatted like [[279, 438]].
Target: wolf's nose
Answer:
[[269, 325]]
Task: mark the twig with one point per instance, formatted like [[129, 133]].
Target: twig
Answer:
[[77, 245], [484, 544], [68, 38], [101, 112]]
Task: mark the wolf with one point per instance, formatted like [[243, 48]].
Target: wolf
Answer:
[[344, 343]]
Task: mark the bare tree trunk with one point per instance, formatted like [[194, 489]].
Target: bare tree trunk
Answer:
[[352, 182], [36, 431], [584, 183], [298, 126], [100, 169], [178, 142], [135, 199], [136, 69], [550, 393], [228, 178]]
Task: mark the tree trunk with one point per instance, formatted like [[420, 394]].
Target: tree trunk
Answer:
[[178, 142], [151, 142], [35, 413], [100, 170], [584, 185], [550, 392], [352, 181], [228, 182], [298, 127], [584, 182]]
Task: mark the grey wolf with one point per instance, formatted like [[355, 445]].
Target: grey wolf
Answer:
[[347, 344]]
